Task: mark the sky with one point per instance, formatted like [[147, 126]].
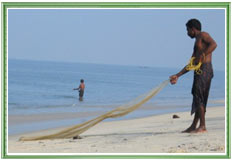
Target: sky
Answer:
[[139, 37]]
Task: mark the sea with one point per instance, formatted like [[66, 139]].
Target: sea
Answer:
[[46, 87]]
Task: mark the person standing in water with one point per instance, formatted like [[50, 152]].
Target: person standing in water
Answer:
[[203, 48], [81, 89]]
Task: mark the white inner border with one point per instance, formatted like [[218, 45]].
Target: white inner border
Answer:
[[120, 154]]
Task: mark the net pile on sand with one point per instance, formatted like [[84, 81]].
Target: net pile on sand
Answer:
[[117, 112]]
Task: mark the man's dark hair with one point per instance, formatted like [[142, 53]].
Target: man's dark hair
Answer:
[[194, 23], [81, 80]]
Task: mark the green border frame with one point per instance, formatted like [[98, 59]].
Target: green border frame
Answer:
[[7, 5]]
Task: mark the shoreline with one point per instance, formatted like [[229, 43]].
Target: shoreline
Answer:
[[20, 124], [153, 134]]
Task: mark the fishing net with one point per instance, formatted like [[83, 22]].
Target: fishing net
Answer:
[[117, 112]]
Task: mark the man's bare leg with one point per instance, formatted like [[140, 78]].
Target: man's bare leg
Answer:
[[194, 124], [80, 98], [202, 127]]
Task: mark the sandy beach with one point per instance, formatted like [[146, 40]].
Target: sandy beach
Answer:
[[155, 134]]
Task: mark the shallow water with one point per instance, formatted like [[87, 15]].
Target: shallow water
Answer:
[[37, 87]]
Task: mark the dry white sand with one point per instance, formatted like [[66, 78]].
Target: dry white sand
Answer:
[[156, 134]]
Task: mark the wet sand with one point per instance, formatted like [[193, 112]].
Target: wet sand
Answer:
[[155, 134]]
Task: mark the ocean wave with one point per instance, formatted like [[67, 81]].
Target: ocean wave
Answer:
[[65, 96]]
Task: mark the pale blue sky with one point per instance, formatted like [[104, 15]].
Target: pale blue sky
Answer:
[[142, 37]]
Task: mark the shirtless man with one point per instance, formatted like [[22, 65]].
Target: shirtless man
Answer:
[[81, 89], [203, 48]]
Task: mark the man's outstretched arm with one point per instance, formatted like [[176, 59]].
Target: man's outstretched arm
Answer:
[[174, 78]]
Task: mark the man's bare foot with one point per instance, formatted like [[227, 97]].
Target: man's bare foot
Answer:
[[200, 130], [189, 130]]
